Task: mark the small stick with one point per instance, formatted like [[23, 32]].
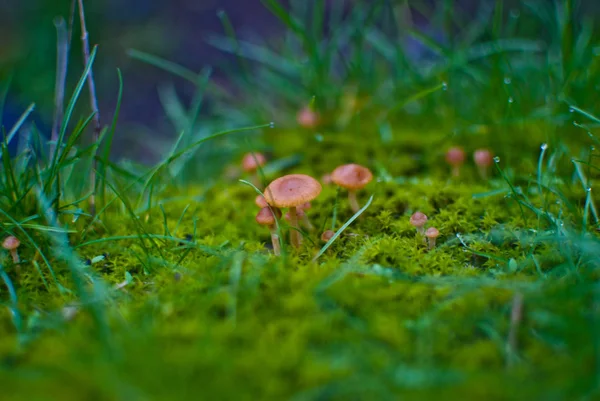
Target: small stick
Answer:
[[516, 315], [93, 102]]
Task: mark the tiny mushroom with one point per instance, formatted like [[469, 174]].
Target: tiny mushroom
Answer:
[[327, 235], [265, 217], [260, 201], [418, 220], [292, 191], [353, 177], [307, 117], [11, 243], [251, 162], [326, 179], [455, 157], [432, 233], [483, 158]]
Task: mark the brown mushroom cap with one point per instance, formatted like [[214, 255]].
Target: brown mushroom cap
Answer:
[[351, 176], [418, 219], [292, 190], [432, 232], [11, 243], [251, 161], [265, 216], [327, 235], [260, 201]]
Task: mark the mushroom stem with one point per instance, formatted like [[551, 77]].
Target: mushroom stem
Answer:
[[306, 223], [275, 240], [294, 233], [15, 256], [483, 172], [353, 201], [456, 171], [431, 243]]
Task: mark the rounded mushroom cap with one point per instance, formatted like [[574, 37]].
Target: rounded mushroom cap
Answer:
[[432, 232], [307, 117], [455, 156], [351, 176], [292, 190], [327, 235], [251, 161], [265, 216], [418, 219], [483, 157], [260, 201], [11, 243]]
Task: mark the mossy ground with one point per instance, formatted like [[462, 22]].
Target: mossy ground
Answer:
[[378, 316]]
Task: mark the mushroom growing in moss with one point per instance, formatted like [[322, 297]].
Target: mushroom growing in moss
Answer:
[[11, 243], [265, 217], [327, 235], [260, 201], [353, 177], [483, 159], [418, 220], [432, 233], [455, 157], [292, 191]]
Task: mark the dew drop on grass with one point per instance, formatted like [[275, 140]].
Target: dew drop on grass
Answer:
[[589, 189], [496, 159], [507, 80], [271, 124], [571, 110], [510, 100], [544, 146], [444, 86]]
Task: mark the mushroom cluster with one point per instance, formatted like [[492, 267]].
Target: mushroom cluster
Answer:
[[419, 220], [483, 158]]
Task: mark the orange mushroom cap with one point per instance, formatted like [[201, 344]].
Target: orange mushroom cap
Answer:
[[292, 190], [265, 216], [11, 243], [327, 235], [351, 176], [251, 161], [260, 201], [418, 219], [432, 232]]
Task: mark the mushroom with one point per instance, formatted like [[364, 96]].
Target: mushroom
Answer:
[[292, 191], [418, 220], [266, 217], [432, 233], [455, 157], [327, 235], [326, 179], [301, 215], [352, 177], [11, 243], [307, 117], [251, 162], [260, 201], [483, 158]]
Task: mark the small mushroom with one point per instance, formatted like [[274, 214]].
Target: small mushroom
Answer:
[[260, 201], [326, 179], [432, 233], [307, 117], [483, 158], [353, 177], [455, 157], [11, 243], [251, 162], [292, 191], [418, 220], [265, 217], [327, 235]]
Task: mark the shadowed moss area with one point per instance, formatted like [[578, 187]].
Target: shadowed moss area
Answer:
[[201, 308]]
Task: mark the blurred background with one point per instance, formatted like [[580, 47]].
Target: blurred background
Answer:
[[176, 30]]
